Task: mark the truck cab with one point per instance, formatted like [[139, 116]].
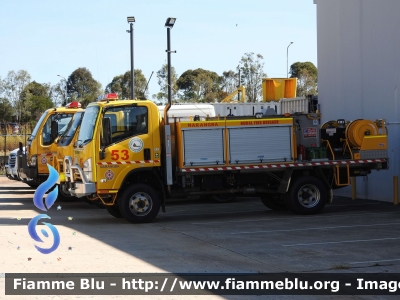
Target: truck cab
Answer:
[[41, 149], [65, 147], [117, 141]]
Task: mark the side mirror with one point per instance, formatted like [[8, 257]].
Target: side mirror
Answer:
[[54, 130], [106, 132]]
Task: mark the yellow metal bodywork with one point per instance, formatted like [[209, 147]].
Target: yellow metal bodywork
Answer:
[[274, 89], [240, 89], [226, 124], [119, 159], [46, 154], [63, 151], [377, 142], [357, 130]]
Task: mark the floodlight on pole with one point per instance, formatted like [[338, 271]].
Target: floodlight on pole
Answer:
[[131, 20], [287, 60], [169, 24]]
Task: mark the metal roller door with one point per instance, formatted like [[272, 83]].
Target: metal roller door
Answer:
[[260, 144], [203, 147]]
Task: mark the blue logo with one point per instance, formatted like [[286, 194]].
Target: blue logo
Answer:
[[45, 204], [32, 232]]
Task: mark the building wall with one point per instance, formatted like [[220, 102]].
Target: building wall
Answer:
[[359, 74]]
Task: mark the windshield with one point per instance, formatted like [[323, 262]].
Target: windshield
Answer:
[[88, 124], [71, 129], [62, 120], [38, 124]]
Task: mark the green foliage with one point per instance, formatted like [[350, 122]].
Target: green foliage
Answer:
[[251, 73], [35, 99], [162, 76], [199, 85], [121, 84], [12, 87], [82, 87], [307, 78], [298, 67], [6, 110]]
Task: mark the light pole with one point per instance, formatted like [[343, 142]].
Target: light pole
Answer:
[[66, 91], [169, 24], [131, 20], [287, 60]]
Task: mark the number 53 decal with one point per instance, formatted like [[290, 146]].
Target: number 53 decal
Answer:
[[115, 155]]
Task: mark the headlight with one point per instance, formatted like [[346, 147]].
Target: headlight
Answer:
[[33, 161], [87, 169]]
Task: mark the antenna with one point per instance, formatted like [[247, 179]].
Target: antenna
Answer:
[[147, 85]]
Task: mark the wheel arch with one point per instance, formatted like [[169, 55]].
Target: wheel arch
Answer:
[[149, 176]]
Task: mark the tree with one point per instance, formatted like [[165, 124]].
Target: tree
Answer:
[[121, 84], [6, 110], [306, 84], [297, 67], [199, 85], [252, 72], [229, 81], [162, 76], [82, 87], [36, 99], [12, 87], [307, 75], [59, 93]]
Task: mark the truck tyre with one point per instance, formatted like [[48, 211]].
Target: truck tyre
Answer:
[[114, 211], [274, 202], [307, 195], [32, 184], [224, 198], [139, 203], [65, 196]]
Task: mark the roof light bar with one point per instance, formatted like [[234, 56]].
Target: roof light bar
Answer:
[[109, 96], [74, 104]]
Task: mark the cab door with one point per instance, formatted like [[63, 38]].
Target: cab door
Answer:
[[129, 147]]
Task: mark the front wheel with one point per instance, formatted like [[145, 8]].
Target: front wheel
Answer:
[[307, 195], [139, 203]]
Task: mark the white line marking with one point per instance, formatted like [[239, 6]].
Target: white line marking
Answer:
[[315, 228], [291, 218], [354, 241], [374, 261], [219, 213]]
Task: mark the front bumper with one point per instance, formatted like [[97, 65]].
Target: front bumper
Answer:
[[28, 172], [77, 189]]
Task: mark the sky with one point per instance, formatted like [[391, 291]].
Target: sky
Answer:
[[50, 38]]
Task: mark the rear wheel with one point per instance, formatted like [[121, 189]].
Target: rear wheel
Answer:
[[139, 203], [274, 202], [307, 195]]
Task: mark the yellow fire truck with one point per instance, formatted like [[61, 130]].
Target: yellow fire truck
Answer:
[[132, 160], [64, 145], [41, 148]]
